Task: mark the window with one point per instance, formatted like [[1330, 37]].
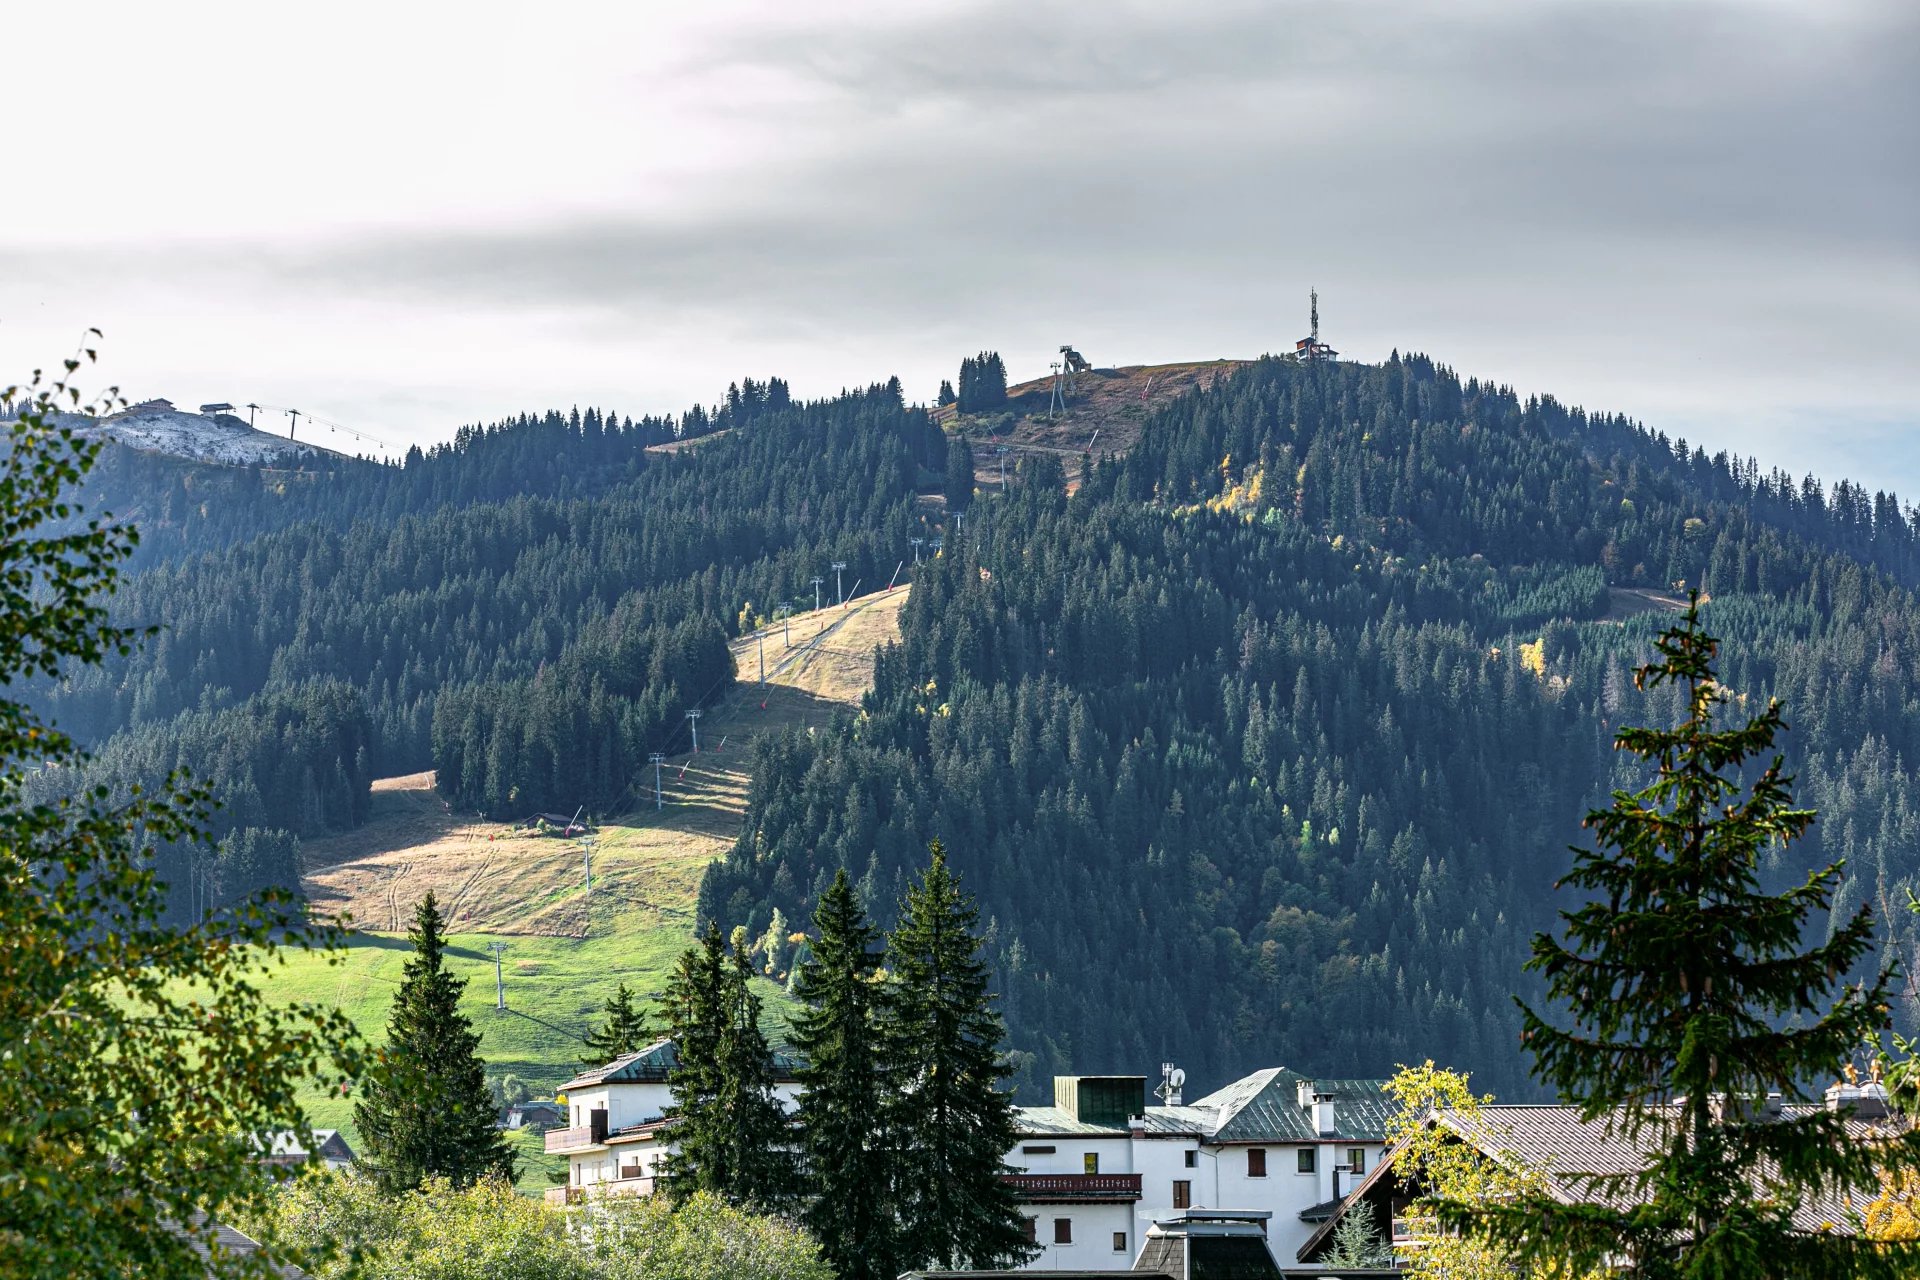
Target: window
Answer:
[[1183, 1195], [1193, 1159], [1063, 1230], [1090, 1162], [1036, 1151], [1119, 1242], [1256, 1162], [1306, 1160], [1026, 1229], [1357, 1159]]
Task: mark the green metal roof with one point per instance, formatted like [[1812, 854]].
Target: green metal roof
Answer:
[[1058, 1122]]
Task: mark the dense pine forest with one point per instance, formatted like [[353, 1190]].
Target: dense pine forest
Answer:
[[1266, 744], [1263, 745]]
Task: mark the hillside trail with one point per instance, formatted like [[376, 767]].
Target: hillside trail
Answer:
[[496, 878]]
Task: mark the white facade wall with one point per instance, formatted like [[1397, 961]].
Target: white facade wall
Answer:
[[626, 1105], [1093, 1230], [1216, 1175]]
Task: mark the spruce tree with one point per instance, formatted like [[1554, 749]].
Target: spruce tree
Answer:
[[849, 1083], [692, 1003], [731, 1136], [959, 484], [1693, 996], [956, 1123], [623, 1031], [947, 395], [428, 1112]]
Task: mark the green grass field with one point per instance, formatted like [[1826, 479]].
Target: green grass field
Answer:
[[555, 988], [567, 950]]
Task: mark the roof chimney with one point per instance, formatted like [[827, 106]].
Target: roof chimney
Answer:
[[1866, 1100], [1304, 1092], [1323, 1122]]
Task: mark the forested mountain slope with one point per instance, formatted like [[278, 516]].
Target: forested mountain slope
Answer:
[[534, 648], [1265, 745]]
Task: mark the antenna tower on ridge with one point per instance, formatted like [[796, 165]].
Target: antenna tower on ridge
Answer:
[[1310, 349]]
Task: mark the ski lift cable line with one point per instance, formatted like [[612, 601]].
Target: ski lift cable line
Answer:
[[317, 420]]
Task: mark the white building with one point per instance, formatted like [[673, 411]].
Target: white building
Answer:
[[1098, 1167], [616, 1118]]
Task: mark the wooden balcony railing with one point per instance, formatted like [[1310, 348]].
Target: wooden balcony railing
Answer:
[[1069, 1188]]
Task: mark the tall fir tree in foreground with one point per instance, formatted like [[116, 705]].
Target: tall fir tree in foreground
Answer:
[[428, 1112], [622, 1031], [1692, 997], [731, 1135], [956, 1123], [849, 1084]]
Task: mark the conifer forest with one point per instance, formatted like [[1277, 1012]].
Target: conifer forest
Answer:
[[1264, 743]]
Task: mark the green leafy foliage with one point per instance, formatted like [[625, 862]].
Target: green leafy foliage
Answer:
[[427, 1110], [140, 1064], [486, 1232]]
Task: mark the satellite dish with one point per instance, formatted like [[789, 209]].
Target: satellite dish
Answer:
[[1177, 1078]]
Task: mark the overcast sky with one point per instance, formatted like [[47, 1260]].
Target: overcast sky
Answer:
[[405, 216]]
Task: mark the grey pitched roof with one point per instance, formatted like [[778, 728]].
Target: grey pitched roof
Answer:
[[235, 1244], [1568, 1150], [1265, 1107], [651, 1065], [1262, 1107]]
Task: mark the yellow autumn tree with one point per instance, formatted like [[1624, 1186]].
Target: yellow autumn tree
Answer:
[[1429, 1156]]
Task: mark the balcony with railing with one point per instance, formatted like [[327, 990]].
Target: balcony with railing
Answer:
[[1074, 1188], [572, 1139], [634, 1185]]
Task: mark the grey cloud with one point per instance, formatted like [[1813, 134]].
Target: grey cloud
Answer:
[[1658, 192]]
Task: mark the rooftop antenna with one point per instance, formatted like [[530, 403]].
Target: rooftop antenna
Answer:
[[1313, 302], [1172, 1081]]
